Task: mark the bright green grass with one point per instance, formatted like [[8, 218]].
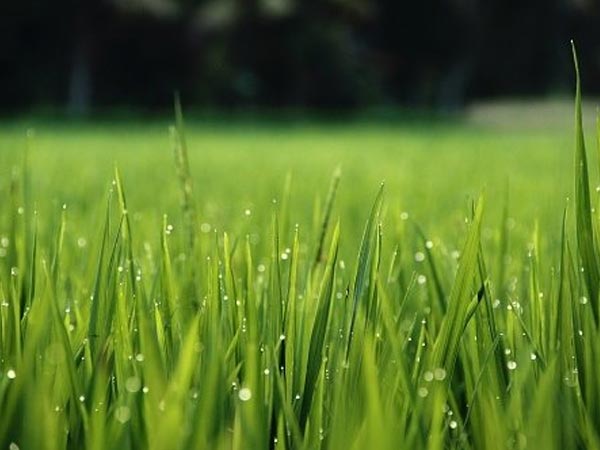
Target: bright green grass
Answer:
[[144, 315]]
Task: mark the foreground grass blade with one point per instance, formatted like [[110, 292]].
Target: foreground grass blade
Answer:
[[585, 231]]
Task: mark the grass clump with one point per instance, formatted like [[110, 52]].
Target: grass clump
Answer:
[[197, 338]]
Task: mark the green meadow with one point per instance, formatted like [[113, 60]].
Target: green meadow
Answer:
[[278, 285]]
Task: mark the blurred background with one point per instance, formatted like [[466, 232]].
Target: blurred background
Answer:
[[82, 57]]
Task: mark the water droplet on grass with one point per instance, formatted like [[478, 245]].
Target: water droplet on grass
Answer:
[[133, 384], [439, 373], [419, 257], [11, 374], [245, 394], [123, 414], [453, 424], [512, 365], [423, 392]]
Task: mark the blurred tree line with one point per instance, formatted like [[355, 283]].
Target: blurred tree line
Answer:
[[83, 54]]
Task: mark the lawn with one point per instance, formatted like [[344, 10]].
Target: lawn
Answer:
[[273, 293]]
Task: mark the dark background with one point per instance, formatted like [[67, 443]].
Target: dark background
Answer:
[[81, 56]]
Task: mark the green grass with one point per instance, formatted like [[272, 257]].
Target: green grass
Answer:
[[250, 287]]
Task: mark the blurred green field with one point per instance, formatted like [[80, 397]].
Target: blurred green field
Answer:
[[432, 171]]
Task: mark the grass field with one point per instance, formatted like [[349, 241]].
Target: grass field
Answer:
[[230, 289]]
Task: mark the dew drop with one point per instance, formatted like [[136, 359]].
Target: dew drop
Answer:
[[245, 394], [453, 424], [419, 257], [123, 414], [512, 365], [133, 384], [423, 392], [439, 373], [11, 374]]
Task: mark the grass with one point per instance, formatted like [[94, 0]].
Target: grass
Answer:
[[201, 295]]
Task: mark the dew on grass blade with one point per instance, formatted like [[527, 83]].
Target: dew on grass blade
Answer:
[[11, 374], [512, 365], [133, 384], [123, 414], [439, 373], [245, 394]]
